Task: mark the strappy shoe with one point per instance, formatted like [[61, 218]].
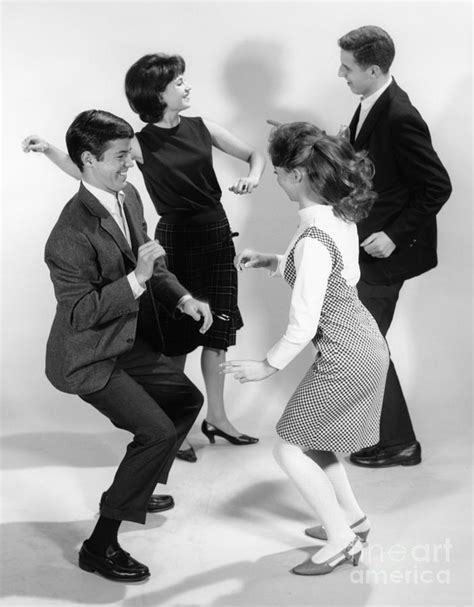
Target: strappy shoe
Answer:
[[351, 553], [319, 532]]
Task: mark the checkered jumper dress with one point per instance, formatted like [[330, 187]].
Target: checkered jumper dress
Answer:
[[337, 405]]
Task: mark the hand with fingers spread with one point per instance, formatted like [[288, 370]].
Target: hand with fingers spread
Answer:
[[248, 370], [378, 244], [244, 185], [251, 259], [148, 253], [34, 143], [197, 310]]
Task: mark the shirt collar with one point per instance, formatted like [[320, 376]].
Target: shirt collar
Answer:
[[316, 212], [369, 101], [106, 199]]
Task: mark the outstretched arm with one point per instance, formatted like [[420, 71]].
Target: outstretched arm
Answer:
[[34, 143], [225, 141]]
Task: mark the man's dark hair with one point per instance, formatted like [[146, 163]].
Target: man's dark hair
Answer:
[[146, 79], [370, 45], [91, 131]]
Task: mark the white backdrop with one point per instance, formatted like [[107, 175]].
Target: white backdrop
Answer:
[[247, 61]]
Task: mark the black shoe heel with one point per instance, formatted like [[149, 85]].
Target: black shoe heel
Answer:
[[212, 431]]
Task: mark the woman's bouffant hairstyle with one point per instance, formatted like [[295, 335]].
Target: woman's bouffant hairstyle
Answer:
[[341, 176], [370, 45], [92, 131], [147, 79]]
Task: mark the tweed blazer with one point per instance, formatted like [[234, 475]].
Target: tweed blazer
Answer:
[[412, 186], [97, 315]]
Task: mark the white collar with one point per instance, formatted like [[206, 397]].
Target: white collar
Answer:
[[106, 199], [315, 212], [369, 101]]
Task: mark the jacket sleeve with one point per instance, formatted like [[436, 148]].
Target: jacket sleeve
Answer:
[[166, 288], [422, 173], [78, 285]]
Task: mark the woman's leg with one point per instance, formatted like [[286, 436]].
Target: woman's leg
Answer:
[[317, 489], [336, 473], [180, 362], [211, 359]]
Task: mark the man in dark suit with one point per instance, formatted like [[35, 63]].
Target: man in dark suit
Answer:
[[398, 238], [105, 341]]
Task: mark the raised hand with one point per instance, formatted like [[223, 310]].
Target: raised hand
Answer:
[[244, 185], [148, 253], [251, 259], [34, 143], [379, 245], [197, 310]]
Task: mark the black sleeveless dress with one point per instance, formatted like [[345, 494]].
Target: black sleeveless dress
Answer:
[[193, 229]]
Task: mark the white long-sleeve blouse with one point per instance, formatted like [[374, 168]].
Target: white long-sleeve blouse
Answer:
[[313, 267]]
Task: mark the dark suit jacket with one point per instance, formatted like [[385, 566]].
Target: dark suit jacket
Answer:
[[97, 315], [411, 183]]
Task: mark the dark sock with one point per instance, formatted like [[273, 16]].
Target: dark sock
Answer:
[[104, 535]]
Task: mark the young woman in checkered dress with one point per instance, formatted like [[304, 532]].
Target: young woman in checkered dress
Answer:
[[336, 407], [174, 153]]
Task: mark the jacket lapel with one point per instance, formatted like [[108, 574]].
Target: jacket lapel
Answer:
[[373, 116], [107, 222]]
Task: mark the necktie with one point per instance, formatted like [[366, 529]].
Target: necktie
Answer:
[[123, 221], [354, 122]]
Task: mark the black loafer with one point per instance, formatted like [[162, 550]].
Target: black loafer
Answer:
[[159, 503], [187, 455], [408, 454], [116, 565]]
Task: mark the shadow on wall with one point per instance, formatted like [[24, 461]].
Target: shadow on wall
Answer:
[[254, 78]]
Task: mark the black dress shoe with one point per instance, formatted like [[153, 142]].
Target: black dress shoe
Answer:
[[187, 455], [159, 503], [382, 457], [116, 565], [212, 431]]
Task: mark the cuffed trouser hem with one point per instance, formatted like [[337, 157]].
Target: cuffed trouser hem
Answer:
[[123, 515]]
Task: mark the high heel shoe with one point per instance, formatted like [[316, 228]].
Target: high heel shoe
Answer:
[[187, 455], [319, 532], [351, 553], [211, 432]]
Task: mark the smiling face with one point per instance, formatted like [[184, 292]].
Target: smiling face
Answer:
[[176, 95], [361, 80], [109, 172]]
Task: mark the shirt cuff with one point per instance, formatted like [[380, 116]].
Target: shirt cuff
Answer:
[[283, 352], [182, 301], [276, 272], [136, 287]]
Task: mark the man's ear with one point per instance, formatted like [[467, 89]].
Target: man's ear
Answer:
[[87, 158], [375, 72]]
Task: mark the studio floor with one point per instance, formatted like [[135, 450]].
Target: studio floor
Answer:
[[235, 532]]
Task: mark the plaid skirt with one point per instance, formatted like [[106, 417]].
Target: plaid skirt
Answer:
[[201, 257]]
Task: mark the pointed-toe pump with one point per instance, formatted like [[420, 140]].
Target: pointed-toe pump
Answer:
[[319, 532], [187, 455], [351, 553], [211, 432]]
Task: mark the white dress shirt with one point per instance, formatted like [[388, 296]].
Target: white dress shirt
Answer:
[[114, 205], [368, 103], [313, 266]]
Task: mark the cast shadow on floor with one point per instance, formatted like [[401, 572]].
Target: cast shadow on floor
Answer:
[[39, 559]]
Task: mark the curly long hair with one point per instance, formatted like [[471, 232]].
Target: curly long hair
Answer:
[[339, 175]]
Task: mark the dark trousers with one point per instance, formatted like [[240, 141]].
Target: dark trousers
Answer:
[[151, 398], [395, 423]]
